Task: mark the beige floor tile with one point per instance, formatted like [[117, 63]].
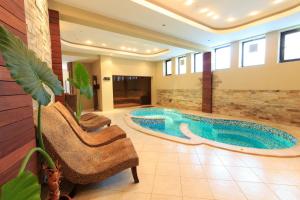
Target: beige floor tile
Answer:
[[226, 190], [192, 171], [190, 198], [144, 186], [210, 159], [98, 195], [186, 158], [289, 177], [148, 157], [205, 150], [167, 169], [196, 188], [168, 157], [133, 195], [167, 185], [182, 148], [217, 172], [243, 174], [147, 168], [285, 192], [234, 161], [257, 191], [164, 197]]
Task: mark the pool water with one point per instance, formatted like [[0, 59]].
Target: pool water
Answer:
[[233, 132]]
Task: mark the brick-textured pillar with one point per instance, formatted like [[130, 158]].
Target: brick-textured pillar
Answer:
[[207, 83], [56, 48]]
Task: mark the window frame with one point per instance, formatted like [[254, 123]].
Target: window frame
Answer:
[[178, 65], [282, 44], [251, 40], [166, 67], [215, 59], [195, 54]]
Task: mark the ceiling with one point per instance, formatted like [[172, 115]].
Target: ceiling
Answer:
[[222, 14], [174, 18], [94, 41]]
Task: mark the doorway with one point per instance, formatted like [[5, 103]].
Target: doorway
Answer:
[[131, 91]]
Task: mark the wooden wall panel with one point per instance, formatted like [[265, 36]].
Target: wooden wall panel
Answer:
[[56, 48], [207, 84], [17, 135]]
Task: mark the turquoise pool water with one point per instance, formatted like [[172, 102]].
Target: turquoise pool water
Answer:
[[234, 132]]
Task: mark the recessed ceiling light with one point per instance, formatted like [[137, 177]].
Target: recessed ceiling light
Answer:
[[148, 51], [123, 48], [129, 49], [88, 42], [134, 49], [210, 13], [277, 1], [216, 17], [230, 19], [253, 13], [103, 44], [188, 2], [203, 10], [155, 49]]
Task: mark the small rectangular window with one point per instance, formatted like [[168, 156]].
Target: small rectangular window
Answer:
[[253, 52], [168, 67], [290, 45], [222, 57], [198, 62], [182, 65]]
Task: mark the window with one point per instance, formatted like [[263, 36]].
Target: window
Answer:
[[222, 57], [253, 52], [182, 65], [290, 45], [198, 62], [168, 68]]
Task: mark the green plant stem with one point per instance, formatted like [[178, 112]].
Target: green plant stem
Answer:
[[78, 105], [25, 161], [39, 131]]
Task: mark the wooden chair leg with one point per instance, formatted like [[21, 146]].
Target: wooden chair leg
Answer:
[[134, 174], [108, 125]]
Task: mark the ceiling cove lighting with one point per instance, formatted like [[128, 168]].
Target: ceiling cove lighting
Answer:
[[211, 13], [103, 44], [203, 10], [148, 51], [216, 17], [88, 42], [230, 19], [277, 1], [123, 48], [188, 2], [253, 13]]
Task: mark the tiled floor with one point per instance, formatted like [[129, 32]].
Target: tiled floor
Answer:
[[172, 171]]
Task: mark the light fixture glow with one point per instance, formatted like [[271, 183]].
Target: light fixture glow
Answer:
[[230, 19], [103, 44], [211, 13], [203, 10], [134, 49], [277, 1], [253, 13], [129, 49], [155, 49], [148, 51], [88, 42], [188, 2], [216, 17], [123, 48]]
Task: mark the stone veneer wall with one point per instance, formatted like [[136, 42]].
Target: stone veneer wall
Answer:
[[38, 33], [190, 99], [276, 105]]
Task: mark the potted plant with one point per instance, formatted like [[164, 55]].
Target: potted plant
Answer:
[[36, 78], [81, 82]]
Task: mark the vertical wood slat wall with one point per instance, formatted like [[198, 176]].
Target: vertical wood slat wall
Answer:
[[17, 135], [56, 47], [207, 83]]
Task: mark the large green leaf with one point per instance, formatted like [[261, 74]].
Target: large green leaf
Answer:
[[24, 187], [81, 81], [27, 69]]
